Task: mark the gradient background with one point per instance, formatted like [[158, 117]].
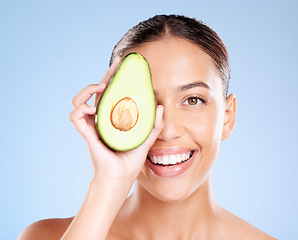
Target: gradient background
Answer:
[[50, 50]]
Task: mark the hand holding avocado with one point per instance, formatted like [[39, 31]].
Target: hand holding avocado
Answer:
[[107, 163]]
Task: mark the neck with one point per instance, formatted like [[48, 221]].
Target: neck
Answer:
[[172, 220]]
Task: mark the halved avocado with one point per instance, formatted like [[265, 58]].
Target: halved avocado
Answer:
[[126, 110]]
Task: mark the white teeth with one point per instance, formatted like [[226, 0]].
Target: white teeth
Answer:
[[170, 159], [165, 160]]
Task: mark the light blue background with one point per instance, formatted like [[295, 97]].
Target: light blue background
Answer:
[[52, 49]]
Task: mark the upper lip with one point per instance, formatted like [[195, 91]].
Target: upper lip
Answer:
[[169, 151]]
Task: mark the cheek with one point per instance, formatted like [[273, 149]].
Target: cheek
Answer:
[[204, 125]]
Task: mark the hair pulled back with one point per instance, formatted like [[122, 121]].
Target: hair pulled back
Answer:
[[187, 28]]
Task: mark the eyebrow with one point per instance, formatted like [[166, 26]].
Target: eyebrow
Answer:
[[189, 86], [192, 85]]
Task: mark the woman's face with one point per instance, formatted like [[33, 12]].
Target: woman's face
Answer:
[[187, 84]]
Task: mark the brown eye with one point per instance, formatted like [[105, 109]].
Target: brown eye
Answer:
[[192, 101]]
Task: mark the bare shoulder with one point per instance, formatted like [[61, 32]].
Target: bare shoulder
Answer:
[[47, 229], [237, 228]]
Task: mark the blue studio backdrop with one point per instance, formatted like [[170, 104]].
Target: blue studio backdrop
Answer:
[[50, 50]]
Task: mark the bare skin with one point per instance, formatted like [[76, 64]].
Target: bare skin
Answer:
[[195, 117]]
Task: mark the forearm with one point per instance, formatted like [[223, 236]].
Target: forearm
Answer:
[[102, 203]]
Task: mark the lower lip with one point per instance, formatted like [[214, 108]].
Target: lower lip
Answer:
[[170, 171]]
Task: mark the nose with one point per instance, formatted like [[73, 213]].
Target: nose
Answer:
[[173, 128]]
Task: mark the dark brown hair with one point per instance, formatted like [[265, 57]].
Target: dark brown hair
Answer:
[[187, 28]]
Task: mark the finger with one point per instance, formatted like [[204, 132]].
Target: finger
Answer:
[[107, 77], [109, 74], [97, 98], [85, 125], [85, 94], [157, 128], [81, 111]]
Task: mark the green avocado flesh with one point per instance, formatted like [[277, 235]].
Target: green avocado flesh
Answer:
[[126, 110]]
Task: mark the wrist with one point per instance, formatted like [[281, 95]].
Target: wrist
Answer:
[[102, 203], [112, 187]]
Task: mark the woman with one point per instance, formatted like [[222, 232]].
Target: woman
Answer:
[[190, 75]]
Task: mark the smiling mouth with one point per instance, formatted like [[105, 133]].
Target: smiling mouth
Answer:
[[170, 160]]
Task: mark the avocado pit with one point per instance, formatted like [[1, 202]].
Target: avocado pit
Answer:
[[124, 114]]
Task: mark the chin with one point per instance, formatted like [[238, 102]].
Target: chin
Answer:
[[177, 188], [173, 190]]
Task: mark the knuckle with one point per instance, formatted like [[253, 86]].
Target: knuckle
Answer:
[[93, 85], [89, 88], [73, 101], [71, 117]]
